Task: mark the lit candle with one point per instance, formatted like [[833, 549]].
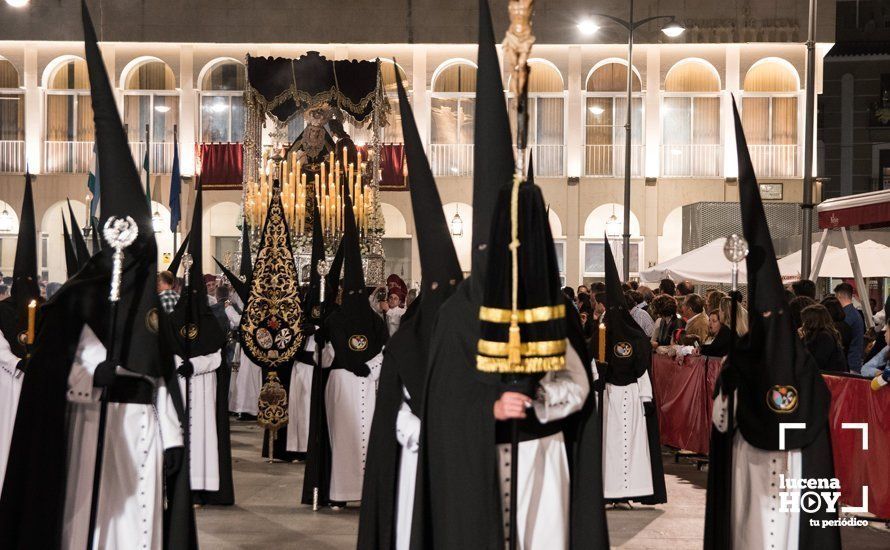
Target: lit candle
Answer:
[[332, 158], [32, 321], [345, 161], [324, 173], [601, 347]]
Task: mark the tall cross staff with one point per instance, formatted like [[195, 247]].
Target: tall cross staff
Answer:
[[119, 233], [735, 250], [187, 262], [323, 269], [517, 47]]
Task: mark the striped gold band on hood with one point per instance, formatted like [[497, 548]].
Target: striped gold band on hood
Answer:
[[534, 315], [542, 348]]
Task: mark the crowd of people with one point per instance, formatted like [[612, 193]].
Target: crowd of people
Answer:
[[681, 322]]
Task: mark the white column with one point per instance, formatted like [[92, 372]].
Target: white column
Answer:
[[33, 111], [188, 110], [574, 124], [731, 88], [653, 112]]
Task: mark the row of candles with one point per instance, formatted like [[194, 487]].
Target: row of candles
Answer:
[[327, 187]]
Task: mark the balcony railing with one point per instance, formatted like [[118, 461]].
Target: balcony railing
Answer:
[[608, 160], [776, 161], [550, 160], [161, 159], [692, 160], [452, 159], [12, 156], [67, 156]]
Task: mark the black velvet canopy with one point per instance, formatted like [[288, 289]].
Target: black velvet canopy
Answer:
[[284, 87]]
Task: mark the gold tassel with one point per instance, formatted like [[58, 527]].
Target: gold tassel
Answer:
[[514, 344]]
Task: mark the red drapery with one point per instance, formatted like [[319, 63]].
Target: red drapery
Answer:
[[853, 401], [683, 393], [393, 172], [221, 165]]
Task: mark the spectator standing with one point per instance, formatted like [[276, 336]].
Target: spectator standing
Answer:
[[797, 305], [880, 361], [741, 317], [804, 287], [666, 322], [166, 294], [685, 288], [667, 287], [844, 294], [836, 311], [635, 300], [717, 344], [821, 339], [696, 320]]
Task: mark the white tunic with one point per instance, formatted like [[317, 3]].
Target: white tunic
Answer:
[[408, 436], [757, 521], [10, 389], [627, 466], [132, 488], [543, 479], [298, 404], [204, 453], [394, 319], [349, 400], [248, 382]]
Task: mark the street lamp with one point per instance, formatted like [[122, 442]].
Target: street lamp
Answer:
[[457, 224], [672, 29], [5, 220], [157, 223], [613, 227]]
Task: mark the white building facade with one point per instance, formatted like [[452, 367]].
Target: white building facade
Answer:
[[682, 139]]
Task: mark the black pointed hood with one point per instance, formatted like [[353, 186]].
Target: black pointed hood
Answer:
[[332, 280], [71, 265], [528, 336], [114, 157], [440, 269], [493, 151], [273, 314], [314, 306], [241, 288], [779, 380], [176, 262], [133, 338], [241, 283], [94, 236], [197, 332], [14, 310], [80, 245], [628, 351], [356, 332], [353, 273]]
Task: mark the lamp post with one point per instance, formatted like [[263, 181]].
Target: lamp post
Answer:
[[671, 29], [806, 231]]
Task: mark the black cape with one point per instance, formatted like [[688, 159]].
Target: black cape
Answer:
[[33, 498], [380, 484], [817, 463], [458, 500]]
